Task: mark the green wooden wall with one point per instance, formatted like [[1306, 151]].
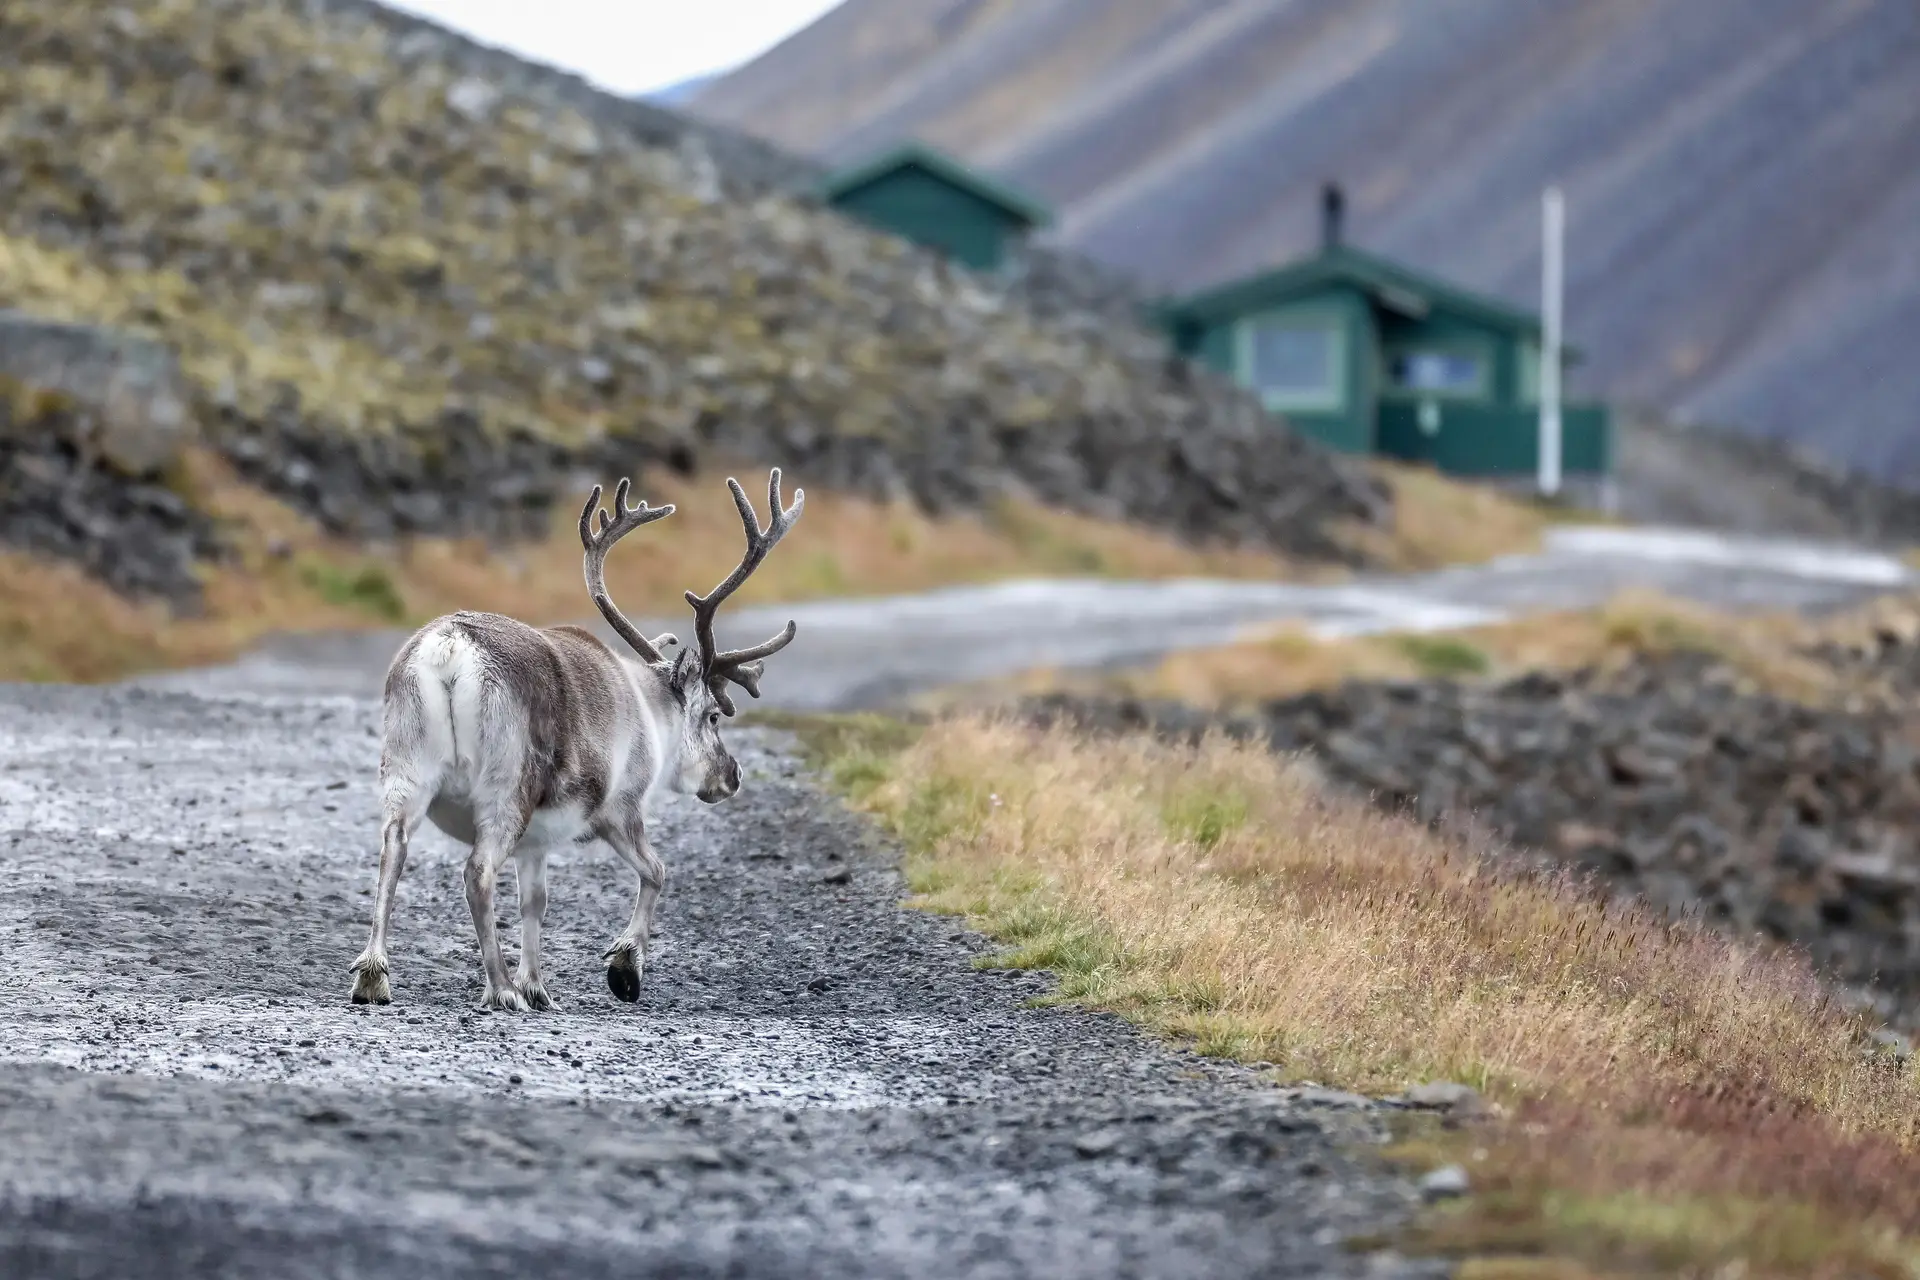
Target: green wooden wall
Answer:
[[1473, 439], [1491, 429], [920, 206]]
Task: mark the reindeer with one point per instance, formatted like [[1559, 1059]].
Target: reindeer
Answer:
[[517, 740]]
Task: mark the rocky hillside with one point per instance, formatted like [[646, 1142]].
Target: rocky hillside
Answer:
[[1743, 178], [1666, 474], [1669, 776], [414, 285]]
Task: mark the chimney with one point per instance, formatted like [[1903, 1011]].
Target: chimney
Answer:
[[1333, 208]]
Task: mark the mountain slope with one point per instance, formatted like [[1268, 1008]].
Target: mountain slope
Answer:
[[1743, 176], [680, 90]]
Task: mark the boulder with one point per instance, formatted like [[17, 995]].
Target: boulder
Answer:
[[128, 402]]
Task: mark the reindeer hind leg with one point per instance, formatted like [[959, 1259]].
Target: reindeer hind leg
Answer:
[[402, 817], [532, 881], [410, 772]]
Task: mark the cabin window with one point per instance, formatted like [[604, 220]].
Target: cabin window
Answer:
[[1444, 372], [1292, 363], [1455, 373]]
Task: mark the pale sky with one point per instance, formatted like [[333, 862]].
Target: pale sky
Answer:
[[627, 46]]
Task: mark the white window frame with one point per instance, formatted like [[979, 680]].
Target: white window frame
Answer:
[[1527, 380], [1333, 398], [1480, 354]]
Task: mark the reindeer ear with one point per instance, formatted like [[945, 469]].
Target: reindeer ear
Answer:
[[686, 669]]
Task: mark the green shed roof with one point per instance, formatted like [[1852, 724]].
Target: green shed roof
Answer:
[[1391, 286], [1018, 204]]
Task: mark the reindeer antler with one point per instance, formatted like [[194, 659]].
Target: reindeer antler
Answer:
[[744, 666], [613, 528]]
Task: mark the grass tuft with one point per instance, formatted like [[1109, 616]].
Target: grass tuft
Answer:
[[1444, 656], [1439, 520], [367, 587]]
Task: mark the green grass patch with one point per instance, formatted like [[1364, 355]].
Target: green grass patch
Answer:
[[822, 574], [1204, 814], [367, 587], [1050, 550], [1524, 1232], [851, 749], [1444, 657]]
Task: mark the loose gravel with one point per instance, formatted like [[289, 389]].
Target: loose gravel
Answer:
[[816, 1081]]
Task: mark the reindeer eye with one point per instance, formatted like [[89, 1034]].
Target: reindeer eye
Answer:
[[713, 718]]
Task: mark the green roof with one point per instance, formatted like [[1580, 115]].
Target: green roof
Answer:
[[1391, 286], [1015, 202]]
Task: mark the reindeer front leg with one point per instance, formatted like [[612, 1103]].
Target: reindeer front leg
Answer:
[[627, 956]]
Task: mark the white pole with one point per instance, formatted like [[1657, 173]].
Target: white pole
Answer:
[[1551, 288]]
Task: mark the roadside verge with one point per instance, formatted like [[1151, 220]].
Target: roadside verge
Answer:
[[1655, 1095]]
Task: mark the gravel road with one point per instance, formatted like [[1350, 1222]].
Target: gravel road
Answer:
[[816, 1082], [856, 653]]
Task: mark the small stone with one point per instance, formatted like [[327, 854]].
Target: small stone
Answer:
[[839, 875], [817, 985], [646, 1155], [473, 98], [1893, 1043], [1446, 1183], [1444, 1095], [513, 1079], [1098, 1143], [1333, 1099]]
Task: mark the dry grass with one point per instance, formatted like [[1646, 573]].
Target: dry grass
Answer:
[[1767, 648], [55, 624], [1438, 521], [1664, 1099]]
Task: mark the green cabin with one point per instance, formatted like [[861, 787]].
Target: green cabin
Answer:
[[932, 199], [1370, 357]]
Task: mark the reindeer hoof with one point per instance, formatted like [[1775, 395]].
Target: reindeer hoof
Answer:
[[506, 1000], [623, 974], [535, 995], [370, 985]]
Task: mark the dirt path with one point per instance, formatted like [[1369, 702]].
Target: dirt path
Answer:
[[868, 652], [815, 1082]]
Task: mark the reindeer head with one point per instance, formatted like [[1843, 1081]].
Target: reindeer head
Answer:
[[696, 678]]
